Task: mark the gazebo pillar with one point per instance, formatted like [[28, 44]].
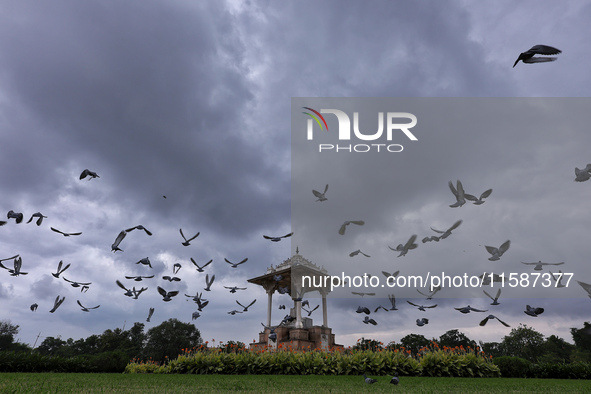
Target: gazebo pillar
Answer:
[[324, 311], [269, 306]]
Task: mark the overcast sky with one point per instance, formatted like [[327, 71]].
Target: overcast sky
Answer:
[[193, 101]]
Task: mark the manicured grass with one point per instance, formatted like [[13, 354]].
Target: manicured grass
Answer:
[[150, 383]]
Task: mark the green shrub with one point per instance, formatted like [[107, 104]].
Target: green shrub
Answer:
[[513, 367]]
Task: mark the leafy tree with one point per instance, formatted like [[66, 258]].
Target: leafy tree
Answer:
[[494, 349], [166, 340], [414, 342], [368, 344], [524, 342], [556, 350], [582, 339], [51, 346], [453, 338], [7, 333]]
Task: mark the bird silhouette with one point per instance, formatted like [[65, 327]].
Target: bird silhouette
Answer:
[[409, 245], [486, 319], [33, 307], [479, 200], [139, 227], [358, 251], [497, 252], [468, 309], [363, 309], [421, 307], [369, 380], [150, 313], [277, 239], [187, 241], [115, 245], [368, 320], [344, 225], [458, 192], [17, 264], [56, 304], [584, 174], [235, 265], [200, 268], [528, 56], [539, 265], [395, 379], [248, 306], [533, 311], [208, 282], [559, 280], [145, 261], [233, 289], [586, 287], [64, 233], [60, 269], [39, 217], [310, 311], [77, 284], [138, 278], [85, 309], [171, 278], [88, 173], [447, 233], [421, 322], [321, 196], [495, 299], [17, 216], [167, 295]]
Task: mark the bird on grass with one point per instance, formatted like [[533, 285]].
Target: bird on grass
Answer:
[[188, 241], [369, 380], [528, 56], [200, 268], [395, 379], [88, 173], [486, 319]]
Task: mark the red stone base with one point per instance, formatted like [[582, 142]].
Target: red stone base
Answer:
[[299, 338]]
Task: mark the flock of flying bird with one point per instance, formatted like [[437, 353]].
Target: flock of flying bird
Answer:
[[132, 291]]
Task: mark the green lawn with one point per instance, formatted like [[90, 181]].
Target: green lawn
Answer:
[[135, 383]]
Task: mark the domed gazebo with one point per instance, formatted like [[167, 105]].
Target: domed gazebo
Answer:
[[300, 332]]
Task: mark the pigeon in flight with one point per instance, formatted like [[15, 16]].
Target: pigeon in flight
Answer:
[[34, 307], [458, 192], [430, 295], [533, 311], [362, 294], [277, 239], [195, 315], [234, 288], [528, 56], [60, 269], [584, 174], [187, 241], [486, 319], [234, 312], [63, 233], [200, 268], [57, 303], [18, 216], [447, 233], [139, 277], [422, 322], [139, 227], [167, 295], [39, 217], [431, 238], [358, 251], [77, 284], [421, 307], [368, 320], [468, 309], [145, 261], [115, 245], [363, 309], [495, 299], [150, 313], [235, 265], [479, 200], [559, 280], [281, 306], [321, 196], [586, 287], [497, 252], [485, 278], [85, 309], [89, 173], [128, 292], [409, 245], [18, 262], [369, 380], [176, 267], [344, 225], [539, 264], [208, 282], [171, 278], [248, 306], [393, 302], [310, 311]]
